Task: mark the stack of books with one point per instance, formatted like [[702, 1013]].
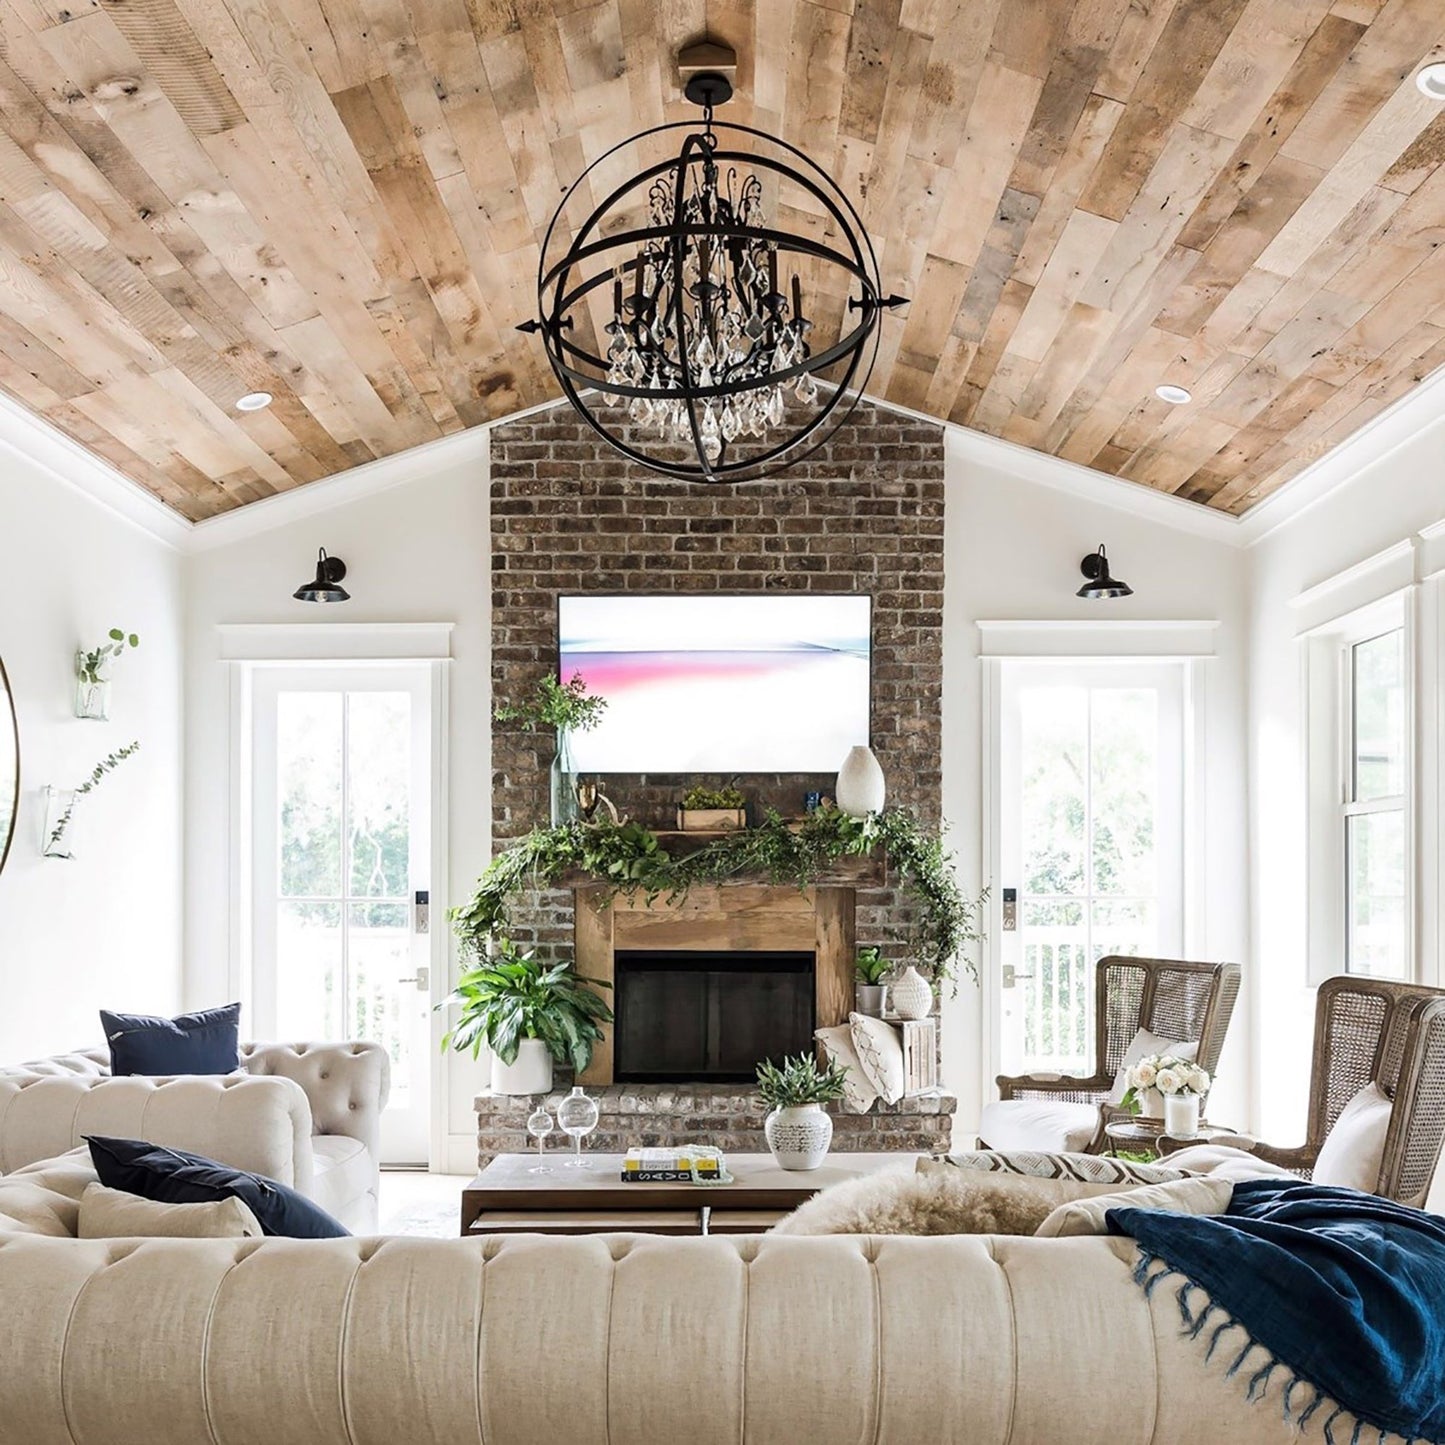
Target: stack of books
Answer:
[[669, 1166]]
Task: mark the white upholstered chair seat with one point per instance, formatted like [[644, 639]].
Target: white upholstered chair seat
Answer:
[[1045, 1126]]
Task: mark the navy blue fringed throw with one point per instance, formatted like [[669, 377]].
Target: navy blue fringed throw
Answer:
[[1344, 1289]]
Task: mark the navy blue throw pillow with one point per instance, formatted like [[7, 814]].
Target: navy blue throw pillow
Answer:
[[171, 1176], [207, 1042]]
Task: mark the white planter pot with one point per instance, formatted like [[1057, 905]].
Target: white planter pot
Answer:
[[530, 1074], [799, 1137], [860, 788], [912, 997], [1181, 1115]]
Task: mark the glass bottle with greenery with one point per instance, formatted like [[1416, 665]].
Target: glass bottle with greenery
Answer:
[[568, 708], [92, 674]]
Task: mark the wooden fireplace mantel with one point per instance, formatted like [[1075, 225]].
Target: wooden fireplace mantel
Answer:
[[723, 918]]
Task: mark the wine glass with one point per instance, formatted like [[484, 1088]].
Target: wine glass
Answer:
[[539, 1125], [577, 1116]]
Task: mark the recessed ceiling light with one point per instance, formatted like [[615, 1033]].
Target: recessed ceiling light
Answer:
[[1431, 80], [254, 401], [1174, 395]]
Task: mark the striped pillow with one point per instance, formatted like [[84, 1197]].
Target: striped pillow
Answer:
[[1086, 1168]]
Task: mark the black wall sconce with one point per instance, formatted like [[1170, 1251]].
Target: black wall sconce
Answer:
[[1095, 568], [326, 586]]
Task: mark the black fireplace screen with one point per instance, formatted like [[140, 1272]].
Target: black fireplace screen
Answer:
[[708, 1016]]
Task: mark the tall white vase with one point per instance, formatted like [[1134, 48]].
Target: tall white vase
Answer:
[[860, 788]]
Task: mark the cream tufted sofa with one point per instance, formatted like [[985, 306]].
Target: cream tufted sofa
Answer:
[[307, 1114], [769, 1340]]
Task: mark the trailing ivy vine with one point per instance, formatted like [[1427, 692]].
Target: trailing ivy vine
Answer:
[[629, 858]]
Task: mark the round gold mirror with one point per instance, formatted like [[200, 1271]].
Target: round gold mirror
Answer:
[[9, 766]]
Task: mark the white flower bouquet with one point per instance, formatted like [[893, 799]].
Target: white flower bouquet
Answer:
[[1167, 1073]]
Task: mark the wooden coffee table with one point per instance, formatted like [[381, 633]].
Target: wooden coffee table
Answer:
[[507, 1198]]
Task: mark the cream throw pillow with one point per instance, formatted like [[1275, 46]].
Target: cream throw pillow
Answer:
[[1354, 1149], [880, 1052], [1140, 1047], [858, 1094], [114, 1214], [1183, 1196]]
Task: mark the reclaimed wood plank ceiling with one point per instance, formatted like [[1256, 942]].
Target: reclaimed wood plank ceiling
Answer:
[[339, 202]]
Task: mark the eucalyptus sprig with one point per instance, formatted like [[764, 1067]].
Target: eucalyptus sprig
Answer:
[[630, 859], [567, 707], [89, 665], [107, 764]]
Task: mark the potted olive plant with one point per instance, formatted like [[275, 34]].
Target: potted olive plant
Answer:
[[529, 1014], [568, 708], [870, 992], [798, 1129]]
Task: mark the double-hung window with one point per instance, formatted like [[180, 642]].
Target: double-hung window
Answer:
[[1360, 788]]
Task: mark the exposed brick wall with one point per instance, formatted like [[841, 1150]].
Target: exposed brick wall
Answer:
[[865, 514]]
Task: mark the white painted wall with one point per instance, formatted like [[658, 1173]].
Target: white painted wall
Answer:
[[1384, 503], [104, 929], [418, 553], [1012, 551]]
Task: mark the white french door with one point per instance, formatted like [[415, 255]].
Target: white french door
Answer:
[[1091, 833], [342, 784]]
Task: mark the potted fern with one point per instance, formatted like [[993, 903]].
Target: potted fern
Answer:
[[798, 1129], [529, 1014]]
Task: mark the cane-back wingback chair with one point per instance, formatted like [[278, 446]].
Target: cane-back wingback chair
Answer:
[[1173, 999], [1368, 1031]]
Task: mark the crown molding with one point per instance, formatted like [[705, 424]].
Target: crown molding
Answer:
[[1422, 407], [30, 438]]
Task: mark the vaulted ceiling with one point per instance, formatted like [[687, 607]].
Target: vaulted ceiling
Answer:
[[339, 202]]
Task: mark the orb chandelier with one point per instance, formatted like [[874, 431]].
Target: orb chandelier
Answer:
[[680, 314]]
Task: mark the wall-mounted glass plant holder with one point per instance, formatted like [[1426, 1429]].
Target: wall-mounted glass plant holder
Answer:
[[92, 696], [60, 822]]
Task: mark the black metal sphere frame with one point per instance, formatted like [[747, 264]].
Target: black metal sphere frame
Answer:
[[556, 296]]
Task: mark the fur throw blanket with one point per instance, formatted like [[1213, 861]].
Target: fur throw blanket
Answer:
[[943, 1200]]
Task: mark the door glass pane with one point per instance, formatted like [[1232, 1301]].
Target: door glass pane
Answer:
[[1125, 926], [308, 759], [379, 793], [1376, 865], [378, 960], [1124, 765], [1379, 721], [1057, 984], [1053, 747], [309, 984]]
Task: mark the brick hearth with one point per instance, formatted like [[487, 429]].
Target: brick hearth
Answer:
[[725, 1115]]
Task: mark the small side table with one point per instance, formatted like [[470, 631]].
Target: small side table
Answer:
[[1138, 1135]]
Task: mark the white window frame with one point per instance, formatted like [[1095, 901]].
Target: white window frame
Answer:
[[1329, 723]]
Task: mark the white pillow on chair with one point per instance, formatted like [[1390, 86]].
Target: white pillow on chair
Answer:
[[1140, 1047], [1354, 1149]]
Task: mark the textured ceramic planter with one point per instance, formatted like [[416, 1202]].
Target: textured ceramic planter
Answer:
[[860, 788], [531, 1073], [1181, 1115], [870, 999], [799, 1137], [912, 997]]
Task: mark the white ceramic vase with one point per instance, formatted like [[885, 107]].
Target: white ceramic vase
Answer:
[[911, 995], [1181, 1115], [799, 1137], [530, 1073], [860, 788]]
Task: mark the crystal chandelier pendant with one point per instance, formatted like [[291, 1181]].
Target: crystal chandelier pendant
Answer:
[[708, 287]]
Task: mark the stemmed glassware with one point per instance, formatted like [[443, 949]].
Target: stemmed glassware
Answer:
[[577, 1117], [539, 1125]]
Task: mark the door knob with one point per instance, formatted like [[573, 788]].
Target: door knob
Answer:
[[421, 978]]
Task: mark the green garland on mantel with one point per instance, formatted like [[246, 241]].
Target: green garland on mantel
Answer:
[[629, 858]]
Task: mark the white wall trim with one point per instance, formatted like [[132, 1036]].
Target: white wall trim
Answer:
[[1402, 422], [1132, 638], [335, 641], [32, 438], [1369, 580]]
